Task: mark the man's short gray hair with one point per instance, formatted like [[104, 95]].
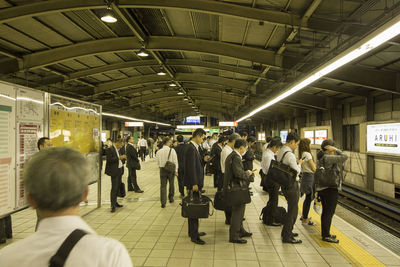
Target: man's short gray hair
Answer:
[[233, 137], [56, 178]]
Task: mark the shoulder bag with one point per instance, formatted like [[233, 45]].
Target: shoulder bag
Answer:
[[281, 173], [169, 166], [59, 259], [326, 177]]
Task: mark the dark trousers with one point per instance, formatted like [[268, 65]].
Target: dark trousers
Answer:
[[306, 205], [5, 227], [142, 152], [292, 197], [329, 198], [272, 189], [219, 180], [132, 180], [151, 152], [193, 228], [181, 183], [236, 222], [164, 179], [115, 184]]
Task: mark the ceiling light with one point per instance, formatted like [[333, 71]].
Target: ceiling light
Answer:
[[109, 18], [180, 93], [161, 72], [143, 53], [134, 119], [372, 41], [185, 98], [172, 84], [193, 106]]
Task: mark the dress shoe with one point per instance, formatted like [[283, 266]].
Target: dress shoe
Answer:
[[292, 241], [274, 224], [113, 209], [162, 205], [202, 233], [118, 205], [238, 241], [198, 241], [139, 191], [330, 239], [203, 191], [295, 234], [332, 236], [131, 189], [3, 240], [245, 234], [171, 201], [227, 222]]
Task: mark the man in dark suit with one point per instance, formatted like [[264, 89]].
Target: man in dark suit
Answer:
[[132, 164], [248, 157], [216, 162], [180, 151], [194, 178], [235, 175], [114, 168]]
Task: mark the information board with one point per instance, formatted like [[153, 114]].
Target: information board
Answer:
[[283, 135], [261, 136], [320, 136], [309, 135], [7, 148], [383, 138]]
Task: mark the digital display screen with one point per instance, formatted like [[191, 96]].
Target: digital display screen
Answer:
[[320, 136], [261, 136], [193, 119], [283, 135], [383, 138], [309, 135]]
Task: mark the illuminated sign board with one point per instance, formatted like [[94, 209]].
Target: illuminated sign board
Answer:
[[383, 138], [227, 123], [193, 119], [261, 136], [134, 124], [309, 135], [190, 126], [320, 136], [283, 135]]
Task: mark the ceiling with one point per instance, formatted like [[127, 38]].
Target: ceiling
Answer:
[[226, 56]]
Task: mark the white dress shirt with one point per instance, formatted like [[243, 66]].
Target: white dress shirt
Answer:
[[91, 251], [162, 157], [290, 159], [267, 156], [224, 154], [265, 147], [212, 142], [120, 165], [142, 142]]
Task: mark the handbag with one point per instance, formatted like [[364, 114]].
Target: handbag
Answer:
[[326, 177], [237, 195], [122, 191], [281, 173], [219, 201], [195, 206], [169, 166]]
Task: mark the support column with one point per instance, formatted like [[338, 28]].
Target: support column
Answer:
[[370, 105], [336, 114], [318, 115]]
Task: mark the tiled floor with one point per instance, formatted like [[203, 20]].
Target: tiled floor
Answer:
[[158, 237]]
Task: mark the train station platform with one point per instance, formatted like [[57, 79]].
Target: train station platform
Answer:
[[158, 237]]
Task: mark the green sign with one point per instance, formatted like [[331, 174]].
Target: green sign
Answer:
[[5, 108], [214, 131]]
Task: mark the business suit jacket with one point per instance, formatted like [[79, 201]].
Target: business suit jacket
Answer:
[[216, 154], [194, 167], [180, 152], [248, 160], [132, 157], [235, 175], [113, 162]]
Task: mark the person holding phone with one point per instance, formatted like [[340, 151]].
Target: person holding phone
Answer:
[[307, 185]]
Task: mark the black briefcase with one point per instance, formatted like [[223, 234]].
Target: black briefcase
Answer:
[[219, 201], [195, 205], [237, 195], [281, 173]]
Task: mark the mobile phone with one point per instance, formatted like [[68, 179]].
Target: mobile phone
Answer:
[[303, 159], [254, 170]]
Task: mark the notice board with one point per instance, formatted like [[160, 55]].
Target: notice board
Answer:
[[7, 148]]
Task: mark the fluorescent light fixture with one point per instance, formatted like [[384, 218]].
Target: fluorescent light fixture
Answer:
[[370, 42], [132, 119], [180, 93], [108, 18], [190, 126], [161, 72], [71, 108], [143, 53], [185, 98], [172, 84]]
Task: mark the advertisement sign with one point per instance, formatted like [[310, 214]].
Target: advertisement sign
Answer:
[[227, 123], [320, 136], [283, 135], [134, 124], [383, 138], [261, 136], [193, 119], [309, 135]]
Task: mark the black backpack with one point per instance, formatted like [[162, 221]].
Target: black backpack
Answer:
[[279, 216]]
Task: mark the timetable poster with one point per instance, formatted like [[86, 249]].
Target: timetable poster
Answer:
[[28, 135], [7, 149]]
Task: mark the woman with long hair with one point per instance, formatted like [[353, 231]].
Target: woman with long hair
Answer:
[[330, 158], [307, 186]]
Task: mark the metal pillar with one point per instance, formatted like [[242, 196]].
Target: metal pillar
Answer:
[[370, 106]]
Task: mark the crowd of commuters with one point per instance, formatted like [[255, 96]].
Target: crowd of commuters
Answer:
[[56, 182]]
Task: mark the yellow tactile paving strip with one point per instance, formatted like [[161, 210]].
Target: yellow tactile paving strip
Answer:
[[353, 253]]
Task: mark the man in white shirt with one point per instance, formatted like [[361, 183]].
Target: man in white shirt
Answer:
[[291, 193], [226, 151], [56, 181], [213, 140], [166, 153], [142, 144]]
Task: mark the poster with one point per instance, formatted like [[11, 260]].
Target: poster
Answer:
[[7, 148], [309, 135], [261, 136], [30, 105], [320, 136], [28, 135], [283, 135], [383, 138]]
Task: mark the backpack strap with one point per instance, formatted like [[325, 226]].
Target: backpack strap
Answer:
[[58, 259], [169, 154], [284, 156]]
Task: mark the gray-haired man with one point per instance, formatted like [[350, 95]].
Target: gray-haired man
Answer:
[[56, 181]]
